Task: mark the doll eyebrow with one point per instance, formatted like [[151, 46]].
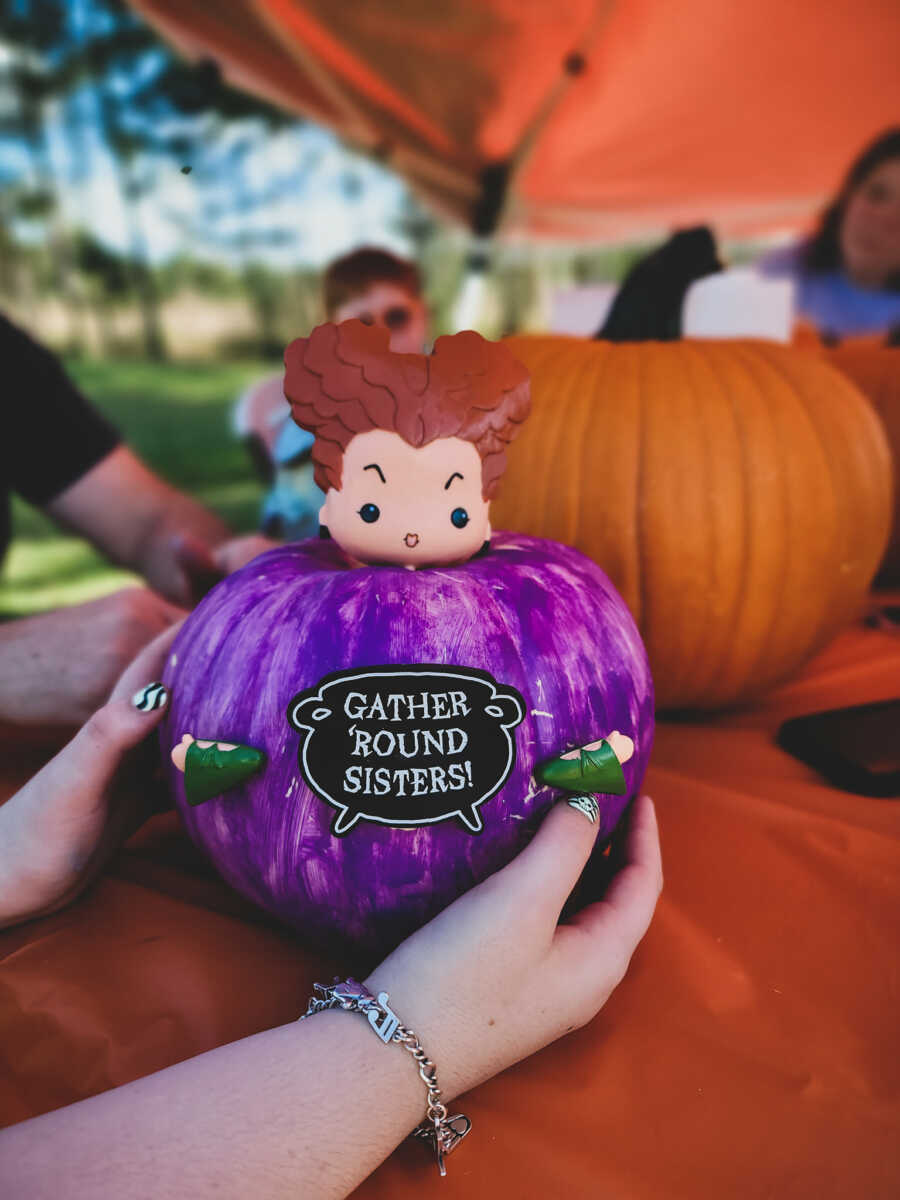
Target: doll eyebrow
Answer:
[[375, 467], [455, 475]]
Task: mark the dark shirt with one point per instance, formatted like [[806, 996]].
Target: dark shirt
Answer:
[[648, 305], [49, 435]]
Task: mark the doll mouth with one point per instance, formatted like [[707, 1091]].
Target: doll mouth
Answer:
[[411, 540]]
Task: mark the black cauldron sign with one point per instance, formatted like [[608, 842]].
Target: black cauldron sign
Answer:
[[407, 745]]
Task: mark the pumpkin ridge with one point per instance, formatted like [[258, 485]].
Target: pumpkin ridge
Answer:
[[641, 507], [546, 494], [863, 477], [875, 371], [777, 364], [691, 642], [851, 519], [583, 442], [691, 356], [633, 544], [586, 509], [753, 357], [769, 568], [601, 360], [708, 356], [661, 391]]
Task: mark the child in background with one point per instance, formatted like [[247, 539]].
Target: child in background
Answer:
[[378, 288], [372, 286]]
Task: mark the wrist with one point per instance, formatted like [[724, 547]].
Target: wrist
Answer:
[[27, 675], [357, 1085], [381, 1070], [422, 1010], [439, 1129], [25, 889]]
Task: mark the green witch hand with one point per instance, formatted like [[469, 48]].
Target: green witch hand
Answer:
[[211, 768], [596, 767]]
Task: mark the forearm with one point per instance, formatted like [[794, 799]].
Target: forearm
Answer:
[[153, 548], [28, 886], [307, 1109], [135, 517], [17, 886], [34, 676], [57, 668]]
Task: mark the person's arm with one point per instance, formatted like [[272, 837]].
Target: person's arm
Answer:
[[306, 1110], [310, 1109], [56, 668], [65, 457], [60, 829], [136, 519]]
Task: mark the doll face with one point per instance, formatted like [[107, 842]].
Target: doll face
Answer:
[[398, 504]]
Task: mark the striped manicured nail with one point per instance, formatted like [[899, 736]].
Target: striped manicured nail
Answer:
[[150, 698], [587, 805]]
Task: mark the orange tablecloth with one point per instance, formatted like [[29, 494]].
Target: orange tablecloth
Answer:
[[751, 1052]]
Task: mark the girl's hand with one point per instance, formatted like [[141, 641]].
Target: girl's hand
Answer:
[[60, 829], [311, 1109], [494, 978]]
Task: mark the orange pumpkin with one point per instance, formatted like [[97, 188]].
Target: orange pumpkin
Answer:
[[737, 493], [876, 372]]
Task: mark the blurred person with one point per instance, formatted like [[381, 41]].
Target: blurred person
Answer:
[[845, 277], [378, 288], [58, 453], [311, 1108], [847, 274], [375, 287], [648, 305]]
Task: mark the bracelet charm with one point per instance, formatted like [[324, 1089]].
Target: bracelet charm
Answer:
[[439, 1130]]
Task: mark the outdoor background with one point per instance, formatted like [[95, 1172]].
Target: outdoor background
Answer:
[[166, 235]]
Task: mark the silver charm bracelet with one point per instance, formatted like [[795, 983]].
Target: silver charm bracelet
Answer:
[[441, 1131]]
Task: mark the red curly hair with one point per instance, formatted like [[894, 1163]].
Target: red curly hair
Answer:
[[343, 380]]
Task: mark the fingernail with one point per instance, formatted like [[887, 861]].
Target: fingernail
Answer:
[[586, 805], [151, 697]]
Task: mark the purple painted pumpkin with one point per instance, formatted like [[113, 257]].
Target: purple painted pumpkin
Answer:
[[541, 620]]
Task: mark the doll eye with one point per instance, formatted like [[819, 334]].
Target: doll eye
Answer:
[[370, 513], [460, 518]]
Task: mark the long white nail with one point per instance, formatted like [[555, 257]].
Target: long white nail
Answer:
[[587, 805], [150, 698]]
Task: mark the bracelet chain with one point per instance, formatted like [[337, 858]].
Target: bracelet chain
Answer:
[[439, 1129]]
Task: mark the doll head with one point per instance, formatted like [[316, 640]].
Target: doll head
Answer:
[[409, 448]]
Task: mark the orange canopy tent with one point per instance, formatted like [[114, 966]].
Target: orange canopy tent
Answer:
[[583, 119]]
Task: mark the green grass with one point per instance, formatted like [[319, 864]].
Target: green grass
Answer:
[[177, 418]]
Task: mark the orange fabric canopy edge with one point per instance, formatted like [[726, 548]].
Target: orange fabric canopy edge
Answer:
[[603, 118]]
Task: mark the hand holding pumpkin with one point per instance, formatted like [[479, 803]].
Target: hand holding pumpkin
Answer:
[[312, 1109], [494, 977], [59, 830]]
